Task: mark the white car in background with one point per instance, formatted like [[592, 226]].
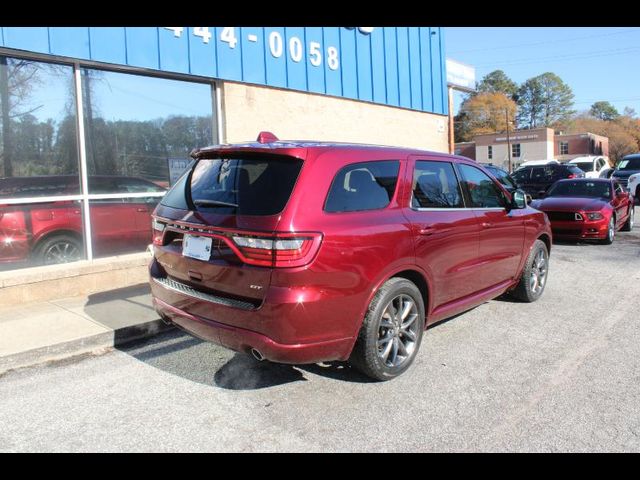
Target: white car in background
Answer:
[[592, 166], [634, 185]]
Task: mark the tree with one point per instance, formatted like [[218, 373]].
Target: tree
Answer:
[[484, 113], [604, 111], [623, 136], [629, 112], [498, 82], [543, 101]]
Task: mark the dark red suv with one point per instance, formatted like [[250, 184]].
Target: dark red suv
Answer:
[[302, 252]]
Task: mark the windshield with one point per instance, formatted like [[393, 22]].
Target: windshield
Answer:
[[581, 189], [251, 185], [584, 166], [629, 164]]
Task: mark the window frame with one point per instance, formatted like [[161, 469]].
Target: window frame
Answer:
[[513, 148], [563, 146]]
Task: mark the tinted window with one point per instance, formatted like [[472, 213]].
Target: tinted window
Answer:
[[363, 186], [521, 175], [629, 164], [435, 186], [502, 177], [581, 189], [257, 185], [542, 174], [176, 197], [483, 192]]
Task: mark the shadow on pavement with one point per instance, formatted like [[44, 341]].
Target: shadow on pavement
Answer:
[[180, 354]]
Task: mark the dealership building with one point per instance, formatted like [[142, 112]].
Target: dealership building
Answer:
[[532, 144], [96, 124]]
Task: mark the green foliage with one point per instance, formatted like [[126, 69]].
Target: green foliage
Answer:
[[498, 82], [604, 111], [543, 101]]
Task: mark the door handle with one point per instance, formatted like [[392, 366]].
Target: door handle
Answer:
[[432, 231], [487, 224], [141, 210]]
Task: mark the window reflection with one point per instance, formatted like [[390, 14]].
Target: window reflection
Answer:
[[139, 126], [37, 121]]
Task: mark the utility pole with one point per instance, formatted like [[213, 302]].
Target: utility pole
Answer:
[[506, 111], [451, 140]]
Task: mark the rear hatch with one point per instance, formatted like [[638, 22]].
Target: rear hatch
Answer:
[[216, 229]]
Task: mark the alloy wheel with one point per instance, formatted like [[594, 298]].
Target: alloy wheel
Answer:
[[538, 272], [62, 251], [397, 334]]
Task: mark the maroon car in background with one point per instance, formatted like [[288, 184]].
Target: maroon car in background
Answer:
[[587, 209], [51, 232], [302, 252]]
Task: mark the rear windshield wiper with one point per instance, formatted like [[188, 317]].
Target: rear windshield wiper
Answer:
[[213, 203]]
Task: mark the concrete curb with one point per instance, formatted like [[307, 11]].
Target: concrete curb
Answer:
[[97, 343]]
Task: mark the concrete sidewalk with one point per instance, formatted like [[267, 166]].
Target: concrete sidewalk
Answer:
[[34, 333]]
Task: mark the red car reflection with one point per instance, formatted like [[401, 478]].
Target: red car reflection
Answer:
[[51, 232], [587, 208]]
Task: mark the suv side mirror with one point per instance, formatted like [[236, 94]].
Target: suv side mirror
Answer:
[[542, 193], [519, 200]]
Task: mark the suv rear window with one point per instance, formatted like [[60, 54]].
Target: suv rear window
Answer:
[[363, 186], [248, 185]]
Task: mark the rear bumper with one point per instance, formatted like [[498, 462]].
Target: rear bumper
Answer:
[[243, 340]]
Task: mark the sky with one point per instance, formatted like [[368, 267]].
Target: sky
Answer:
[[598, 63], [121, 96]]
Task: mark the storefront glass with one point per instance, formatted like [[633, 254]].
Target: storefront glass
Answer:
[[139, 131]]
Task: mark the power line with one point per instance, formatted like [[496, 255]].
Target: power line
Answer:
[[502, 47], [567, 57]]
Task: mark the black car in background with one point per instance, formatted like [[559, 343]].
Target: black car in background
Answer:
[[629, 165], [502, 176], [536, 179]]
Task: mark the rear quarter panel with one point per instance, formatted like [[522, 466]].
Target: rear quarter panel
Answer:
[[359, 249]]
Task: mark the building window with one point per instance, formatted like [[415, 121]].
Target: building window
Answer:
[[490, 152], [564, 148], [138, 131], [515, 150]]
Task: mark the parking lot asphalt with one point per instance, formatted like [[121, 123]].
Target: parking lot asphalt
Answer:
[[561, 374]]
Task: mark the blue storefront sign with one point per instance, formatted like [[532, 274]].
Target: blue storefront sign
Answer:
[[400, 66]]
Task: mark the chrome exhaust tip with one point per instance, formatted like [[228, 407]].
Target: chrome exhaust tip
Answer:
[[257, 355]]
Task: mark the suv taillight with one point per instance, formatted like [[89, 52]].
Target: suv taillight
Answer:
[[572, 175], [279, 250], [157, 229]]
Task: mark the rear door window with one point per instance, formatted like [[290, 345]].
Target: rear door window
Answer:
[[363, 186], [248, 185], [435, 186]]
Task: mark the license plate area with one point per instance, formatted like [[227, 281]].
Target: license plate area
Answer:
[[197, 247]]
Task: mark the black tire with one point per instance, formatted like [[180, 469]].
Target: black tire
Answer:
[[628, 225], [611, 232], [525, 290], [58, 248], [367, 356]]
